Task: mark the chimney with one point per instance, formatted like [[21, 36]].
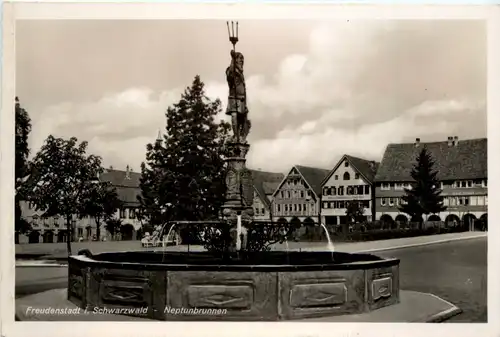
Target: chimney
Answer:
[[450, 141], [127, 172], [417, 142], [455, 140]]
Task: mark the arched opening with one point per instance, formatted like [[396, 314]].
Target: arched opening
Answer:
[[34, 237], [61, 235], [127, 232], [386, 221], [469, 221], [48, 237], [295, 223], [308, 222], [282, 221], [484, 221], [433, 218], [347, 176], [402, 220], [452, 220]]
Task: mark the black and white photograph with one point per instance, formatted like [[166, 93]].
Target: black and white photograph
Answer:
[[238, 169]]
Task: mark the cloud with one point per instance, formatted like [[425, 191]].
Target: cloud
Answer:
[[357, 87]]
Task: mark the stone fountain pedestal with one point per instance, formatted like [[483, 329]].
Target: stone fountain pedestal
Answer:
[[239, 194], [150, 285]]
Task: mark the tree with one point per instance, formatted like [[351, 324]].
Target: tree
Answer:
[[61, 175], [113, 226], [424, 194], [183, 177], [100, 202], [354, 211], [23, 128]]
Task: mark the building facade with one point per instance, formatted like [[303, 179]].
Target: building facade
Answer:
[[462, 168], [265, 183], [297, 198], [53, 229], [352, 179]]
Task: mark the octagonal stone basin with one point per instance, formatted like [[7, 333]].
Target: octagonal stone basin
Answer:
[[264, 286]]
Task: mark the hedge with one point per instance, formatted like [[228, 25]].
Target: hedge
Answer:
[[373, 232]]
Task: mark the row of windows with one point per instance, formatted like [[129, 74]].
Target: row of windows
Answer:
[[350, 190], [346, 176], [131, 213], [294, 194], [466, 201], [259, 211], [447, 201], [296, 182], [343, 204], [444, 184], [294, 208], [391, 201]]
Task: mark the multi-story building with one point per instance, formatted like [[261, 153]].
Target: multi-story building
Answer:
[[126, 183], [352, 179], [265, 183], [462, 168], [53, 229], [297, 198]]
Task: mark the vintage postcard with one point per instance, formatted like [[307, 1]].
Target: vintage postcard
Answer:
[[200, 164]]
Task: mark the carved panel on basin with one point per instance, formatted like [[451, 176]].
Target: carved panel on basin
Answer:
[[318, 295], [242, 295], [128, 288], [132, 295], [220, 296], [382, 288], [76, 286]]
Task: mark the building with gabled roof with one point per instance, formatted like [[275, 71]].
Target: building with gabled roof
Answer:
[[297, 198], [53, 229], [351, 179], [264, 183], [462, 168]]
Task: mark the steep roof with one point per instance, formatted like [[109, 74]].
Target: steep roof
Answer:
[[119, 178], [367, 168], [313, 176], [265, 183], [127, 186], [468, 159]]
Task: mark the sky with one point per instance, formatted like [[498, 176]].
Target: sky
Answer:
[[316, 89]]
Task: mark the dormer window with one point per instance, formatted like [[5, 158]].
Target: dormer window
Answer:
[[347, 176]]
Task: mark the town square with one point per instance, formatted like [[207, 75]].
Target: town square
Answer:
[[327, 179]]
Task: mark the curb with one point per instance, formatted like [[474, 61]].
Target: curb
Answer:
[[422, 244], [444, 315], [39, 265]]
